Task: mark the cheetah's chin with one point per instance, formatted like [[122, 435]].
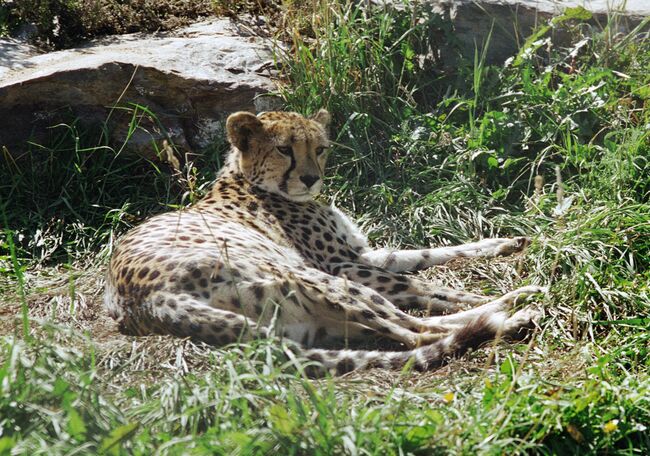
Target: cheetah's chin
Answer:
[[301, 197]]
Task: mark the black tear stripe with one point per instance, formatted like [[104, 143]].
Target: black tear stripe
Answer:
[[284, 184]]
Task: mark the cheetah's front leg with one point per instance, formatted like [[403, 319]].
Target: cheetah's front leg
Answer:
[[415, 260], [408, 292]]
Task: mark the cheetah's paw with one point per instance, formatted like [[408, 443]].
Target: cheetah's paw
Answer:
[[512, 245]]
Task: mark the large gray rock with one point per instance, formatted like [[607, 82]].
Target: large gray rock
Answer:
[[504, 25], [190, 79], [507, 23], [14, 55]]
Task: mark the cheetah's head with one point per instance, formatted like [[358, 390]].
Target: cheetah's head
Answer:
[[281, 152]]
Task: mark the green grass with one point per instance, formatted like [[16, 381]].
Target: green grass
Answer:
[[425, 156]]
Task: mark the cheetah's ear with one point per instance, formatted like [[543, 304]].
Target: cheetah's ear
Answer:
[[322, 117], [242, 128]]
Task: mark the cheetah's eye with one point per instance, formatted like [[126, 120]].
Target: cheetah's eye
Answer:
[[321, 150], [285, 150]]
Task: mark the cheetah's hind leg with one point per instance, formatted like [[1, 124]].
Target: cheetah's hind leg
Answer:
[[501, 304], [182, 315]]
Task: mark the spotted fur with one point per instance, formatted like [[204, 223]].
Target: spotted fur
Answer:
[[258, 253]]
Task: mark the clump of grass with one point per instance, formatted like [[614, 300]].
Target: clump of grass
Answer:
[[58, 398], [478, 144], [81, 192], [372, 67]]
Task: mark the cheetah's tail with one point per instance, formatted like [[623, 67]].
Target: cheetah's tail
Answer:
[[470, 336]]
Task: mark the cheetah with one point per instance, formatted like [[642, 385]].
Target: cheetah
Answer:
[[259, 255]]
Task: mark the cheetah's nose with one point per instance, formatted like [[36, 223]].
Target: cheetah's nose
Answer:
[[309, 180]]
